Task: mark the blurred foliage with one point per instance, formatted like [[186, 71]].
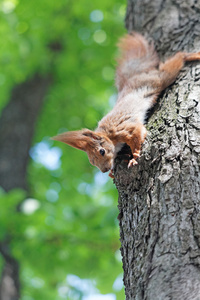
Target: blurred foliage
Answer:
[[67, 225]]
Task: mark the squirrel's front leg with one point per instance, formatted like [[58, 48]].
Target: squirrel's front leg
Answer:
[[133, 135], [135, 143]]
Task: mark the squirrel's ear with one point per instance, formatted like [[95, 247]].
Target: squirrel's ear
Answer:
[[91, 134], [80, 139]]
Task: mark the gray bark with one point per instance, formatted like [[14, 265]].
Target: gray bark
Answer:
[[17, 125], [159, 200]]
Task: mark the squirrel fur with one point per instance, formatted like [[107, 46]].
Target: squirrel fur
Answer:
[[140, 78]]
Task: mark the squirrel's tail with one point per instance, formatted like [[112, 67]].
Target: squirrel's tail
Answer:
[[137, 56]]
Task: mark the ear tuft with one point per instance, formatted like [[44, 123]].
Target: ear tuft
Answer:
[[56, 138], [81, 139]]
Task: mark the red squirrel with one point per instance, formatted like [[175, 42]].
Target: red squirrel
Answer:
[[140, 78]]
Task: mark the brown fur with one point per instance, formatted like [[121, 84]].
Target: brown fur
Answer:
[[139, 79]]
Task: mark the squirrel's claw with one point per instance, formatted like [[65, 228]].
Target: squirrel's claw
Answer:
[[111, 175], [132, 163], [136, 154]]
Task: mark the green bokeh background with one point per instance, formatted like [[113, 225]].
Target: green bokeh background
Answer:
[[73, 229]]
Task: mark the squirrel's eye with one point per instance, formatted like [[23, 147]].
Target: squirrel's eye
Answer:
[[102, 152]]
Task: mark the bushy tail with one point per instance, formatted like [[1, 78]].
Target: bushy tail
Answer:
[[137, 56]]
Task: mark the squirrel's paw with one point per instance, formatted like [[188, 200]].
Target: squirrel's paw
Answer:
[[132, 163], [136, 154], [111, 175]]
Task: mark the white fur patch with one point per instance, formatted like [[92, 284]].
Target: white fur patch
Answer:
[[136, 104]]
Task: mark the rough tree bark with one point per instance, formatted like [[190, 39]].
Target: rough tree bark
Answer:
[[159, 200], [17, 124]]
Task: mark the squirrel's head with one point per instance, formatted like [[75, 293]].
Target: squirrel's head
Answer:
[[99, 148]]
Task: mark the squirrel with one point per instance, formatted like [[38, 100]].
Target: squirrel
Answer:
[[140, 78]]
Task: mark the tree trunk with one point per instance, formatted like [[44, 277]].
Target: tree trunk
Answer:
[[16, 132], [159, 200]]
